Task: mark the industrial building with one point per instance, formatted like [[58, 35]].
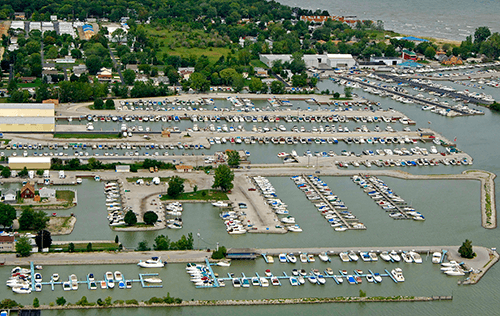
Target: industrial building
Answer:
[[31, 163], [323, 61], [27, 117]]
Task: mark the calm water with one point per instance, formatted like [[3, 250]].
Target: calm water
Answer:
[[450, 207], [442, 19]]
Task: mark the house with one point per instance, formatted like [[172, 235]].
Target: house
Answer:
[[133, 67], [183, 168], [27, 79], [7, 243], [19, 16], [9, 196], [186, 72], [261, 72], [79, 70], [451, 60], [28, 191], [47, 193], [105, 74], [407, 55]]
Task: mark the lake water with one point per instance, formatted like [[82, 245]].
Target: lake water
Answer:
[[450, 207]]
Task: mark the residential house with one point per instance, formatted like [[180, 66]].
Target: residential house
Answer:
[[183, 168], [105, 74], [47, 193], [186, 72], [9, 196], [406, 54], [28, 191], [7, 243], [451, 60]]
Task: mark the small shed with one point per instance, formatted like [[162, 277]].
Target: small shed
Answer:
[[122, 168]]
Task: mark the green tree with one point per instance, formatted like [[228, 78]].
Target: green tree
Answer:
[[162, 242], [98, 104], [481, 34], [255, 85], [23, 246], [277, 87], [26, 219], [36, 302], [94, 64], [143, 246], [130, 218], [109, 105], [5, 173], [430, 52], [117, 239], [7, 214], [89, 247], [150, 217], [233, 158], [43, 239], [175, 186], [129, 76], [219, 254], [223, 178], [71, 247], [60, 301], [198, 82], [466, 250], [348, 92]]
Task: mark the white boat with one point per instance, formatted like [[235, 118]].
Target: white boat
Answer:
[[385, 256], [455, 272], [153, 280], [377, 277], [74, 282], [397, 273], [21, 290], [406, 257], [373, 256], [66, 286], [291, 258], [394, 256], [154, 262], [449, 264], [236, 282], [321, 279], [312, 279], [303, 258], [264, 282], [224, 264], [220, 204], [353, 256], [436, 257], [118, 276], [340, 279], [416, 256], [301, 280], [55, 277], [282, 258], [324, 257], [293, 281], [344, 256]]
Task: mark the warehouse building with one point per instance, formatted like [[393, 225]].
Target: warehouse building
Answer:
[[31, 163], [27, 117], [319, 61]]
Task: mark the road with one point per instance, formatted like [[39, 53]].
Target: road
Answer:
[[116, 65]]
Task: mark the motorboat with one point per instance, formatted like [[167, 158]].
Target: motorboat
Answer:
[[310, 258], [74, 282], [394, 256], [321, 279], [224, 264], [66, 286], [351, 279], [255, 281], [385, 256], [118, 276], [436, 257], [295, 272], [128, 284], [377, 277], [293, 281], [38, 287], [353, 256], [301, 280], [236, 282], [282, 258], [339, 279], [245, 282], [220, 204], [93, 285], [38, 277], [344, 256], [104, 285], [154, 280], [397, 273], [154, 262], [303, 272], [449, 264], [291, 258], [91, 277], [303, 258], [324, 257], [312, 279], [406, 257], [329, 271], [369, 278], [268, 273], [264, 282], [455, 272], [275, 281], [373, 256], [55, 277], [415, 256], [21, 290], [270, 259]]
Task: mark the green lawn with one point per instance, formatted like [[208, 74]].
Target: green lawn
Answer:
[[201, 195], [79, 247], [258, 63], [85, 135], [34, 84], [66, 195]]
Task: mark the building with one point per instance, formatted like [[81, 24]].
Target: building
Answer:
[[10, 196], [27, 117], [241, 253], [7, 243], [27, 191], [105, 74], [88, 31], [323, 61], [47, 193], [185, 72], [122, 168], [19, 16], [451, 60], [388, 61], [183, 168], [33, 163], [407, 55], [414, 39]]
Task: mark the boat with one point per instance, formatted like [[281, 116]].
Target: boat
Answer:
[[66, 286], [415, 256], [74, 282], [377, 277], [324, 257], [455, 272], [118, 276], [394, 256], [21, 290], [38, 287], [353, 256], [91, 277], [291, 258], [236, 282], [55, 277], [264, 282], [38, 277], [406, 257], [310, 258], [321, 279], [312, 279], [268, 273], [245, 282], [293, 281], [224, 264], [301, 280], [303, 258], [154, 262], [255, 281], [275, 281], [93, 285], [351, 279], [397, 273], [153, 280], [373, 256], [449, 264], [385, 256], [329, 271], [103, 284], [344, 256], [270, 259], [339, 279], [121, 284], [282, 258], [436, 257], [303, 272], [220, 204], [369, 278], [295, 272]]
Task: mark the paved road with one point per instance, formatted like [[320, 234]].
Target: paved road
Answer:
[[116, 65]]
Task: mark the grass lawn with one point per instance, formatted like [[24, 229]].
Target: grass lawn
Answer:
[[258, 63], [89, 136], [202, 195], [5, 141], [79, 247], [66, 195], [4, 100], [34, 84]]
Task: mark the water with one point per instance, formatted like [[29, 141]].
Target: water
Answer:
[[442, 19], [451, 208]]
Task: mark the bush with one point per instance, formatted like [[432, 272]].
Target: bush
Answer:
[[219, 254], [150, 217], [36, 302], [71, 247], [130, 218], [132, 302], [466, 250], [155, 300], [60, 301]]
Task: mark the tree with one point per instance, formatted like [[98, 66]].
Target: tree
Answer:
[[23, 173], [430, 52], [175, 186], [117, 240], [466, 250], [150, 217], [60, 301], [129, 76], [40, 220], [130, 218], [98, 104], [7, 214], [143, 246], [233, 158], [36, 302], [161, 243], [71, 247], [23, 246], [277, 87], [89, 247], [5, 173], [255, 85], [219, 254], [481, 34], [43, 239], [94, 64], [198, 82], [348, 92], [109, 105], [223, 178]]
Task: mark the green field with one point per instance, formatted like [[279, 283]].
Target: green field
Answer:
[[184, 44], [201, 195], [66, 195], [80, 247]]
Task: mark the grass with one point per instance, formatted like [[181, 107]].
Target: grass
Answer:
[[134, 179], [34, 84], [82, 247], [201, 195], [258, 63], [6, 141], [89, 136], [66, 195]]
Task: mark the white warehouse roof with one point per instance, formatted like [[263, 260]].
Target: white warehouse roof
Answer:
[[29, 159]]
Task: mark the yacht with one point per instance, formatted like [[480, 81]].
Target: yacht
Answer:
[[264, 282], [118, 276], [236, 282], [436, 257], [394, 256], [154, 262], [220, 204], [353, 256], [282, 258], [397, 273], [385, 256], [324, 257], [416, 256], [291, 258], [344, 257]]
